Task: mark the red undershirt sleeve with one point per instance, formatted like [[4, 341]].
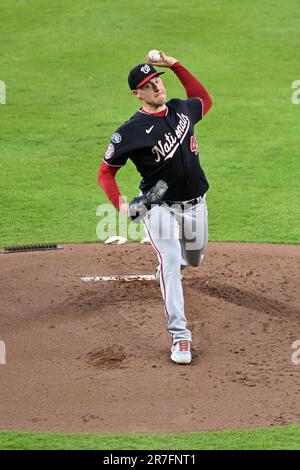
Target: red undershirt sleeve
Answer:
[[106, 179], [193, 88]]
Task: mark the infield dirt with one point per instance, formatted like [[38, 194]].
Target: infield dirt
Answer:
[[95, 356]]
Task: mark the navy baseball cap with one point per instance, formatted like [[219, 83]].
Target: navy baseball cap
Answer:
[[141, 74]]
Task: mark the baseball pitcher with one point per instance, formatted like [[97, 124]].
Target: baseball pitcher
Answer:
[[159, 139]]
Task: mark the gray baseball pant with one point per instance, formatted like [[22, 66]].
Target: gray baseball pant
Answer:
[[179, 238]]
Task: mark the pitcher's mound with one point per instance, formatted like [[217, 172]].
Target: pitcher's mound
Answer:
[[95, 356]]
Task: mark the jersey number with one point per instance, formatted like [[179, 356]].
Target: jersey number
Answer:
[[194, 145]]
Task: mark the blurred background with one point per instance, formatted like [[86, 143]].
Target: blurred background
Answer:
[[65, 66]]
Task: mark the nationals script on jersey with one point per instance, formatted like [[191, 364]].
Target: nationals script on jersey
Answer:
[[163, 148], [167, 148]]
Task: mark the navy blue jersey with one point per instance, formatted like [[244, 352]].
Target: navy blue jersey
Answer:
[[163, 148]]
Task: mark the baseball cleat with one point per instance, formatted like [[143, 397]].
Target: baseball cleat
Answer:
[[181, 352]]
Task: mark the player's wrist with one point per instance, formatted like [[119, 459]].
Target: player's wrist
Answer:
[[169, 61], [175, 64], [172, 61]]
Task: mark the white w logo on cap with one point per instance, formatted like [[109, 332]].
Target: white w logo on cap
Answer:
[[145, 68]]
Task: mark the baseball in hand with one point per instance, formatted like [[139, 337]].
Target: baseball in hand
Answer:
[[154, 56]]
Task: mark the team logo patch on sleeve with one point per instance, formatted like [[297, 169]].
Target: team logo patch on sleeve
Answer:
[[116, 138], [110, 151]]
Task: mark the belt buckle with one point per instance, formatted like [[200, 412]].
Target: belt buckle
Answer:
[[194, 201], [197, 200]]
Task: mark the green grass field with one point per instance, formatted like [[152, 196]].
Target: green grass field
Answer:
[[65, 65], [285, 438]]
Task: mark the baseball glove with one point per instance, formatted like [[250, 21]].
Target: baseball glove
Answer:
[[139, 206]]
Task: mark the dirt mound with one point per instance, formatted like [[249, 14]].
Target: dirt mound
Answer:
[[95, 356]]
